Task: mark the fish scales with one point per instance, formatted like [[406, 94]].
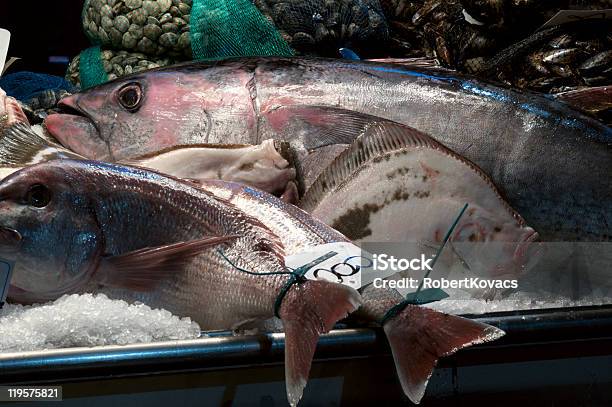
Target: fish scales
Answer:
[[533, 148], [83, 226]]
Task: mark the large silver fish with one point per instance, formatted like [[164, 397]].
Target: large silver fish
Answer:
[[82, 226], [550, 162]]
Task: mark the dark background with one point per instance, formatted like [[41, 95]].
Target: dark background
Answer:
[[41, 29]]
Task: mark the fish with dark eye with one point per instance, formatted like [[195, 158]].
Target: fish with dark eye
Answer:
[[129, 96], [82, 226], [533, 148]]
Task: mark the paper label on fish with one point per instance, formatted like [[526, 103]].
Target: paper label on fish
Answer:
[[568, 16], [342, 262], [5, 38], [6, 271]]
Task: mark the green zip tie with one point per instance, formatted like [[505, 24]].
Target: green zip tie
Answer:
[[297, 275], [414, 299], [298, 278], [220, 29], [91, 69]]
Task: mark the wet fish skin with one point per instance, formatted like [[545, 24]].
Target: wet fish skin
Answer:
[[261, 166], [416, 188], [561, 56], [532, 147], [137, 235], [598, 62], [124, 201], [414, 358]]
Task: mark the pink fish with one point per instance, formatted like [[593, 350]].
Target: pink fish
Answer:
[[84, 226]]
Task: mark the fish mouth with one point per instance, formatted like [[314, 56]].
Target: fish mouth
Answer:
[[76, 130]]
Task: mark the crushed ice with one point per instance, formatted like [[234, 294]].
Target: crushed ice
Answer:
[[462, 303], [95, 320], [88, 320]]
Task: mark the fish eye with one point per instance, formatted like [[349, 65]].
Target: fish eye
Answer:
[[130, 96], [38, 196]]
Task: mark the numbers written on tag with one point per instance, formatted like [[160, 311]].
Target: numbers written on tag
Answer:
[[341, 271], [345, 267]]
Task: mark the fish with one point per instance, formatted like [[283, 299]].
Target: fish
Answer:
[[10, 111], [532, 147], [589, 99], [261, 166], [21, 146], [75, 226], [416, 188], [598, 62], [418, 336]]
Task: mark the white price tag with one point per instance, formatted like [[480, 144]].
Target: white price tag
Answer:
[[5, 38], [343, 265], [6, 271]]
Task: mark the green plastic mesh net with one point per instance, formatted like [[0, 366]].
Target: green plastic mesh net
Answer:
[[230, 28], [218, 29], [91, 70]]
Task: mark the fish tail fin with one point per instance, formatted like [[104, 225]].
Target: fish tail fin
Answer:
[[419, 336], [307, 311], [21, 145]]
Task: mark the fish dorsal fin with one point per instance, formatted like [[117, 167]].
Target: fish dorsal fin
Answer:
[[20, 145], [143, 269], [380, 138], [589, 100], [423, 63]]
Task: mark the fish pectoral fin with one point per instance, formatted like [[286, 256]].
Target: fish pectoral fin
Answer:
[[306, 313], [377, 138], [320, 125], [589, 100], [143, 269], [419, 336]]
